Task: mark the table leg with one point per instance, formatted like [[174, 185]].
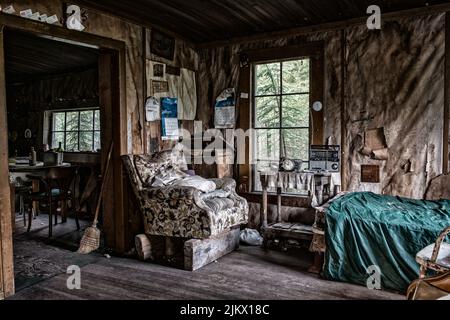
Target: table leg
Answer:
[[13, 206], [278, 204], [264, 184], [318, 263], [35, 188]]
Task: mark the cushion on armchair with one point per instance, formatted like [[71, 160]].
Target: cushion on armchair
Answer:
[[196, 182], [161, 164]]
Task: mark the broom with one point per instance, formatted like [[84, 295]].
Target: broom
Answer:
[[91, 238]]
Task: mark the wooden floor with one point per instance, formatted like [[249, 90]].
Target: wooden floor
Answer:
[[248, 273]]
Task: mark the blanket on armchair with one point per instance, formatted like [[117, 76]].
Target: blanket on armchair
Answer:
[[365, 229]]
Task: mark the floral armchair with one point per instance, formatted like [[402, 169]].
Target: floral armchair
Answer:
[[185, 210]]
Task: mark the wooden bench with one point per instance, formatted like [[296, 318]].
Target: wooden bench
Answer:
[[280, 231]]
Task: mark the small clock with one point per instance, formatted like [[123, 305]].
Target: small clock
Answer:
[[317, 106], [287, 165]]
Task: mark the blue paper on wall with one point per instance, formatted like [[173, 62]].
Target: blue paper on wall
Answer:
[[224, 113], [169, 119]]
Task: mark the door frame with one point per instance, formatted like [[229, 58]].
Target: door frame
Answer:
[[112, 95]]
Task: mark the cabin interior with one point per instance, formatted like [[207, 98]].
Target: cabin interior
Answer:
[[205, 150]]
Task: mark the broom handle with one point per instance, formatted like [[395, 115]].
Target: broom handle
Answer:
[[102, 188]]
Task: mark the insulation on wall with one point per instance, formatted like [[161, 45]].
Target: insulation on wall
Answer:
[[394, 78]]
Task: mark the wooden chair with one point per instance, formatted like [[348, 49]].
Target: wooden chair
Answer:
[[436, 256], [430, 288], [56, 190]]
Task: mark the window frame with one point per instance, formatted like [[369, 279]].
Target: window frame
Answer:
[[280, 95], [51, 130], [313, 50]]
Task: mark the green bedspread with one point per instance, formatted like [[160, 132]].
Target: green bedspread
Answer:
[[365, 229]]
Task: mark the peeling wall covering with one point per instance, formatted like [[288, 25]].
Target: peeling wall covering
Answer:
[[395, 75], [396, 78]]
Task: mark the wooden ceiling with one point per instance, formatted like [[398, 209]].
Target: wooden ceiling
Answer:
[[204, 21], [28, 56]]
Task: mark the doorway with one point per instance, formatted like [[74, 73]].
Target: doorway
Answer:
[[82, 122]]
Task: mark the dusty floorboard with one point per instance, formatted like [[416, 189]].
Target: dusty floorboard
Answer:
[[248, 273]]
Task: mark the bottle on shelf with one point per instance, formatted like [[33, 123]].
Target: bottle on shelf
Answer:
[[59, 154], [60, 148], [32, 157]]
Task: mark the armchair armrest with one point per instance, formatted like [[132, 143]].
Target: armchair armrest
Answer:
[[438, 244]]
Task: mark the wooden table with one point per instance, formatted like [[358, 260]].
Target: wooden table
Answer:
[[21, 171]]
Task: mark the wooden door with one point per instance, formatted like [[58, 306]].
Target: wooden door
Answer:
[[6, 250]]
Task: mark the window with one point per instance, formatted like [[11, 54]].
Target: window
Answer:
[[77, 130], [281, 113]]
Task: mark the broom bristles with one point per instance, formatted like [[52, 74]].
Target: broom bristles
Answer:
[[90, 241]]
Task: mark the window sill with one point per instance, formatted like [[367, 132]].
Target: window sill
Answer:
[[82, 152], [288, 200]]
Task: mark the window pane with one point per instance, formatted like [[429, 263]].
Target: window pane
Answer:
[[72, 121], [296, 76], [296, 143], [57, 138], [97, 120], [72, 141], [267, 112], [58, 121], [268, 79], [86, 120], [296, 110], [97, 143], [268, 144], [86, 141]]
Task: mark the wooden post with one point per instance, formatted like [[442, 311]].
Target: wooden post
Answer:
[[12, 189], [446, 142], [6, 246]]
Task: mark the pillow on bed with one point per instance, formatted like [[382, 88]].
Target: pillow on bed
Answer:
[[197, 182]]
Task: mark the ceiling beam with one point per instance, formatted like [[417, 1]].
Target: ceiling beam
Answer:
[[324, 27]]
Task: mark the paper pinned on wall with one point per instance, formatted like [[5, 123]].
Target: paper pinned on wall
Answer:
[[225, 109], [156, 70], [169, 116], [174, 82], [9, 10], [52, 19], [152, 109], [159, 87], [26, 13]]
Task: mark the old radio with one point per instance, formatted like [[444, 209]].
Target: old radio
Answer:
[[324, 158]]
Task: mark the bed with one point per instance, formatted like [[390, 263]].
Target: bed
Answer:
[[364, 229]]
